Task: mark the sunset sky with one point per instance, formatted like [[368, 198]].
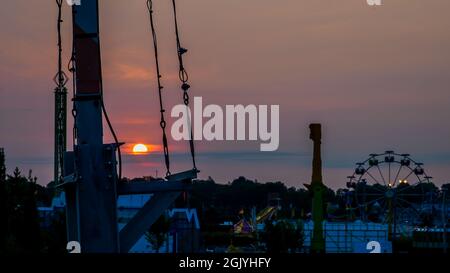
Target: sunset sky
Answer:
[[377, 78]]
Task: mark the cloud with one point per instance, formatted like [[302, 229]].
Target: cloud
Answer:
[[133, 73]]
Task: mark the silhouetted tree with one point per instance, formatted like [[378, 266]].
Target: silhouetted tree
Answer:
[[222, 202], [157, 234], [283, 237], [22, 229], [3, 203]]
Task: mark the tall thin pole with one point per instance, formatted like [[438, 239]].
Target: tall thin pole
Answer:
[[91, 200], [444, 221], [2, 165], [317, 188]]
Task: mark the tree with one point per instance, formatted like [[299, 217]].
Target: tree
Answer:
[[283, 237], [2, 165], [446, 187], [22, 228], [3, 203], [157, 234]]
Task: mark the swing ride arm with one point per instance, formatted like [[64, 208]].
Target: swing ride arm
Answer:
[[145, 187], [91, 182]]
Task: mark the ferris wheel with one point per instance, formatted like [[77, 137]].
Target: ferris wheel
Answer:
[[390, 188]]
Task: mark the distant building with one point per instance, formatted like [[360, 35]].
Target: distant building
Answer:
[[48, 214], [183, 237], [185, 230], [184, 234], [431, 239], [350, 237]]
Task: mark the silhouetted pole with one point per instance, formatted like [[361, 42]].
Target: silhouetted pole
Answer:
[[444, 221], [92, 194], [317, 189], [2, 165]]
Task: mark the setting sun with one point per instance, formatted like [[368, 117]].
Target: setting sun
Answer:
[[140, 149]]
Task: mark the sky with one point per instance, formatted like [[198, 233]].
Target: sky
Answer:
[[377, 78]]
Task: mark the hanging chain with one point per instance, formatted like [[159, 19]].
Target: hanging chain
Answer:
[[71, 66], [162, 123], [183, 75], [60, 80], [72, 69]]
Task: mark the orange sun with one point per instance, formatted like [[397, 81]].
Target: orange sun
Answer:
[[140, 149]]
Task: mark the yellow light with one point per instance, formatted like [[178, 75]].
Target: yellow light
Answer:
[[140, 149]]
